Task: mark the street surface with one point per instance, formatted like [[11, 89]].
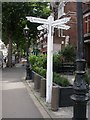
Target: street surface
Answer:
[[16, 102]]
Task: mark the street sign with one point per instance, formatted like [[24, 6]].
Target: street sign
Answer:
[[37, 20], [61, 21], [41, 27], [50, 24], [62, 26]]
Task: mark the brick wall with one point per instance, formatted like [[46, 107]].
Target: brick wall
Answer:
[[70, 10]]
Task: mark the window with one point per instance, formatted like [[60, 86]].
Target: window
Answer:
[[61, 33], [87, 24], [61, 9]]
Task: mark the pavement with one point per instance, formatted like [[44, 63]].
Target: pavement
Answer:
[[64, 112], [20, 100], [16, 101]]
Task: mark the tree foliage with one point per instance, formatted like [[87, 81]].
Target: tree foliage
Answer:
[[69, 53], [14, 20]]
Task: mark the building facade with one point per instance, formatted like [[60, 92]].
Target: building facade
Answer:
[[86, 18], [65, 37], [61, 38], [42, 41]]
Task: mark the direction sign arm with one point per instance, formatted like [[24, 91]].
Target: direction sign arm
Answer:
[[63, 26], [41, 27], [37, 20], [61, 21]]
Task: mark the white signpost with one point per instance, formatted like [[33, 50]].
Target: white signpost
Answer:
[[50, 24], [41, 27], [37, 20], [64, 27]]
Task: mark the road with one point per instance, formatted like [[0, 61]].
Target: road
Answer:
[[16, 102]]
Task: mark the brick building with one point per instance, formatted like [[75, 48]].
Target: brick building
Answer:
[[86, 18], [64, 37], [42, 41], [61, 37]]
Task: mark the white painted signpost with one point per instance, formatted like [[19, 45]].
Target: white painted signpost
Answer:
[[41, 27], [50, 24]]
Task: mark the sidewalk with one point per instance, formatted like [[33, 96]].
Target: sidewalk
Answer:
[[20, 100], [16, 101], [64, 113]]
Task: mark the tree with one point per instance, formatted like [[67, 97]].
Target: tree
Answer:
[[13, 22], [69, 53]]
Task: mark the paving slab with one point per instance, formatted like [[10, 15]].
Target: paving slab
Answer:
[[63, 113], [16, 102], [20, 100]]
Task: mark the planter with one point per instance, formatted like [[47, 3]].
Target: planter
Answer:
[[55, 98], [37, 81], [64, 92], [64, 96], [43, 88], [33, 74]]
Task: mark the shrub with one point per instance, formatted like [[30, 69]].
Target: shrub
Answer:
[[60, 80], [39, 60], [43, 72], [33, 59], [36, 69], [42, 61], [57, 78], [40, 71], [57, 62], [68, 53]]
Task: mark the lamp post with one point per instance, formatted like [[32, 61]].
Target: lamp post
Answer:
[[80, 97], [28, 69]]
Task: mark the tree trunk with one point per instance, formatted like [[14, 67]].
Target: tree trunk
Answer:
[[9, 63], [17, 58]]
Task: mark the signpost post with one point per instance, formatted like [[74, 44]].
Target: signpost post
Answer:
[[50, 24]]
